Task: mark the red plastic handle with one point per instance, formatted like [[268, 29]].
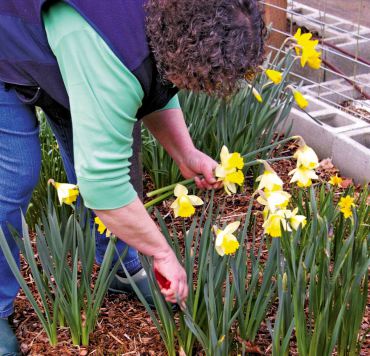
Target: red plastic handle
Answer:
[[163, 282]]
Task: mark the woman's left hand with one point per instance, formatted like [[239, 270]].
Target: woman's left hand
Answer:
[[196, 164]]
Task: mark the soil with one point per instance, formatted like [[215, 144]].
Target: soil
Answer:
[[125, 328]]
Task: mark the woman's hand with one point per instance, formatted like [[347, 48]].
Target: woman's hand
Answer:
[[169, 267], [196, 164]]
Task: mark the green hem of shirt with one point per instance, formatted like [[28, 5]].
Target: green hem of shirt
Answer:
[[106, 194]]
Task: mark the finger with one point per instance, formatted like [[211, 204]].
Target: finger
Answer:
[[180, 291], [207, 172], [198, 182], [168, 292]]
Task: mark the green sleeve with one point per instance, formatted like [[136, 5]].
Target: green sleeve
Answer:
[[104, 98], [174, 103]]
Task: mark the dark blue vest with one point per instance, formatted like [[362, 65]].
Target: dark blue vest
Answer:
[[26, 58]]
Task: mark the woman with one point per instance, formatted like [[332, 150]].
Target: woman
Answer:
[[95, 68]]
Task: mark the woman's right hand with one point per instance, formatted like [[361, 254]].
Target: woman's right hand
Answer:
[[170, 268]]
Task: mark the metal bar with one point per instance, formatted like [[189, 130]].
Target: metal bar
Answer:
[[318, 22]]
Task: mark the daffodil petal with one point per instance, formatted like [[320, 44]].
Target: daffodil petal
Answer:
[[180, 190], [232, 227], [195, 200]]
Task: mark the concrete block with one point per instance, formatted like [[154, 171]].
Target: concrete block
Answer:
[[320, 138], [342, 137], [338, 121], [339, 90], [351, 154]]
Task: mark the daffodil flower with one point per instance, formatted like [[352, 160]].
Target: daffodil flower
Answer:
[[302, 40], [274, 222], [183, 206], [303, 176], [335, 180], [300, 99], [231, 160], [274, 200], [345, 204], [67, 193], [306, 157], [275, 76], [101, 227], [226, 243], [306, 48], [269, 180], [296, 220], [229, 171]]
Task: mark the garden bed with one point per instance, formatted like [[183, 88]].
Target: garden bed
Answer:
[[125, 328]]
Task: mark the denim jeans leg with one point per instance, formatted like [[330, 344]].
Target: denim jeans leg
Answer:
[[20, 158], [61, 124]]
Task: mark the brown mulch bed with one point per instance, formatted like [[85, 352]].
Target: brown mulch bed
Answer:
[[124, 327]]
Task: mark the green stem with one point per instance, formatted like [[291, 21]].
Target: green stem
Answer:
[[169, 187], [158, 199], [265, 148], [85, 336], [258, 161]]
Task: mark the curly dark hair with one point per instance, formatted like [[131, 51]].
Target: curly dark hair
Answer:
[[205, 45]]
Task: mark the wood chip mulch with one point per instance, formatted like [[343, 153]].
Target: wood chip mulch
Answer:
[[125, 328]]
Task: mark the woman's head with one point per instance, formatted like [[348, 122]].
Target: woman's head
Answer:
[[205, 45]]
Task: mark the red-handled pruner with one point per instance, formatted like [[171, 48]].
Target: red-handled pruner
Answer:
[[163, 282]]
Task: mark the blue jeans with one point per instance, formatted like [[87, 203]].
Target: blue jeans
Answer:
[[20, 161]]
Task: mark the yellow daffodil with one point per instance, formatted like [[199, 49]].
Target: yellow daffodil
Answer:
[[274, 200], [275, 76], [306, 157], [101, 227], [231, 160], [184, 204], [335, 180], [257, 95], [274, 222], [269, 180], [229, 171], [309, 52], [314, 60], [67, 193], [345, 204], [226, 242], [296, 220], [302, 40], [303, 176], [306, 48], [300, 99]]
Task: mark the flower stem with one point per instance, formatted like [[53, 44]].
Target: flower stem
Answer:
[[265, 148], [258, 161], [158, 199], [168, 187]]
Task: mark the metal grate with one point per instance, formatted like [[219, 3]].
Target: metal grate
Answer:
[[344, 77]]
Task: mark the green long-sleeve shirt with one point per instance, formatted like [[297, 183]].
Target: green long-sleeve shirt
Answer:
[[104, 98]]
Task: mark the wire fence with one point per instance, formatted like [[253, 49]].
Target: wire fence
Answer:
[[343, 29]]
